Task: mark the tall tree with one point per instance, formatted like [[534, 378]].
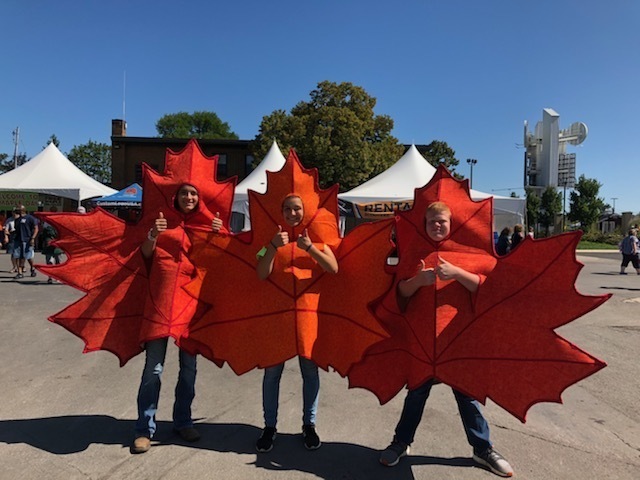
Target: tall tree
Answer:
[[335, 131], [585, 205], [7, 162], [194, 125], [438, 152], [550, 206], [533, 207], [94, 159]]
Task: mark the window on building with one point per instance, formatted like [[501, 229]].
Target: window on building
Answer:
[[222, 165], [248, 164]]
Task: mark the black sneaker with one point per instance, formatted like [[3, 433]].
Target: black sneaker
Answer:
[[265, 442], [495, 462], [33, 272], [391, 455], [311, 438]]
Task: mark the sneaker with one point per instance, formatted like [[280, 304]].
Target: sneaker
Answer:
[[141, 445], [19, 276], [495, 462], [33, 272], [265, 442], [50, 280], [188, 434], [391, 455], [311, 438]]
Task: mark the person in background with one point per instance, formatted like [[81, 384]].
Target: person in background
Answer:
[[9, 230], [504, 244], [24, 241], [51, 253], [517, 236], [530, 234], [630, 249]]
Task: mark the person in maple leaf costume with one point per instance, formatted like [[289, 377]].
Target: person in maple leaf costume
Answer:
[[438, 227], [279, 254], [165, 247]]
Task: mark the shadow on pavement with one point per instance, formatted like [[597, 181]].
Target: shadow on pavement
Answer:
[[75, 433]]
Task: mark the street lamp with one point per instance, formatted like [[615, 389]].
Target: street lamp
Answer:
[[471, 162]]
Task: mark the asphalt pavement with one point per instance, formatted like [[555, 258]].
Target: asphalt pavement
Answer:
[[67, 415]]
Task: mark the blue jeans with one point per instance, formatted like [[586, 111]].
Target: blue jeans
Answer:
[[310, 392], [475, 425], [149, 391]]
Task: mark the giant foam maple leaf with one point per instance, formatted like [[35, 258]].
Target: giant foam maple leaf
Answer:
[[299, 309], [498, 343], [129, 300]]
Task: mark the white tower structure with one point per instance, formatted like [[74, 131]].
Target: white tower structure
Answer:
[[547, 163]]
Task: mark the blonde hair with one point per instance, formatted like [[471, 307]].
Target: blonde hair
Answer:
[[438, 207]]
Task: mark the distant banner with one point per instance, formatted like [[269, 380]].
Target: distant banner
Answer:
[[373, 210]]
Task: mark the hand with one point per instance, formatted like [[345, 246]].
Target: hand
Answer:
[[216, 224], [160, 225], [445, 270], [280, 239], [304, 242], [426, 276]]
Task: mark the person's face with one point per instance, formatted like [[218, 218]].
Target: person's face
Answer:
[[293, 211], [438, 225], [187, 198]]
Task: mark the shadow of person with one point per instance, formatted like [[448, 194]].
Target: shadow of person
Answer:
[[75, 433]]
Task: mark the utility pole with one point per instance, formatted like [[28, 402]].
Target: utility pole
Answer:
[[613, 209], [16, 139]]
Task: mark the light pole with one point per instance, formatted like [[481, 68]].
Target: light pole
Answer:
[[471, 162], [613, 209]]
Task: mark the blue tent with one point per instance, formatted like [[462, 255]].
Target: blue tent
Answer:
[[130, 196]]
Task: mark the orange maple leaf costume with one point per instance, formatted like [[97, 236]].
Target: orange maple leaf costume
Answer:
[[497, 343], [130, 301], [299, 309]]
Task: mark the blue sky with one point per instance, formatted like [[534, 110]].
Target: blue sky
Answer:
[[465, 72]]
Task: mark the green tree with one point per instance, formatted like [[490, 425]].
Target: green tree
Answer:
[[533, 207], [438, 152], [53, 139], [337, 132], [7, 162], [94, 159], [550, 206], [193, 125], [585, 205]]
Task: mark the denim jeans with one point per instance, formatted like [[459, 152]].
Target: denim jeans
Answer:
[[475, 425], [310, 392], [149, 391]]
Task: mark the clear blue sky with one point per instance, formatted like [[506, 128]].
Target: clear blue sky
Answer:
[[465, 72]]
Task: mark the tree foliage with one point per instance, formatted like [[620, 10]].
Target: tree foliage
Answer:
[[533, 207], [335, 131], [438, 152], [194, 125], [550, 206], [7, 162], [585, 205], [94, 159], [53, 139]]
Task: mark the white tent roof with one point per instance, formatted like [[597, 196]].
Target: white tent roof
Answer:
[[257, 181], [413, 171], [52, 173]]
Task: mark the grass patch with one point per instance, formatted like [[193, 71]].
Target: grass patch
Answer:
[[586, 245]]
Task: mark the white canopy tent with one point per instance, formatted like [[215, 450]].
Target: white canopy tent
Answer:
[[52, 173], [256, 181], [394, 189]]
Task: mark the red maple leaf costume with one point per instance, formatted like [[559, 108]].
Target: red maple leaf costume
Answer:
[[299, 309], [498, 342], [128, 300]]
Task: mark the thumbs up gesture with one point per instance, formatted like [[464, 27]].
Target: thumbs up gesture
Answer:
[[427, 276], [216, 223], [159, 226], [304, 242], [280, 239]]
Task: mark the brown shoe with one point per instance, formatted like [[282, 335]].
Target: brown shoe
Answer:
[[141, 445], [189, 434]]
